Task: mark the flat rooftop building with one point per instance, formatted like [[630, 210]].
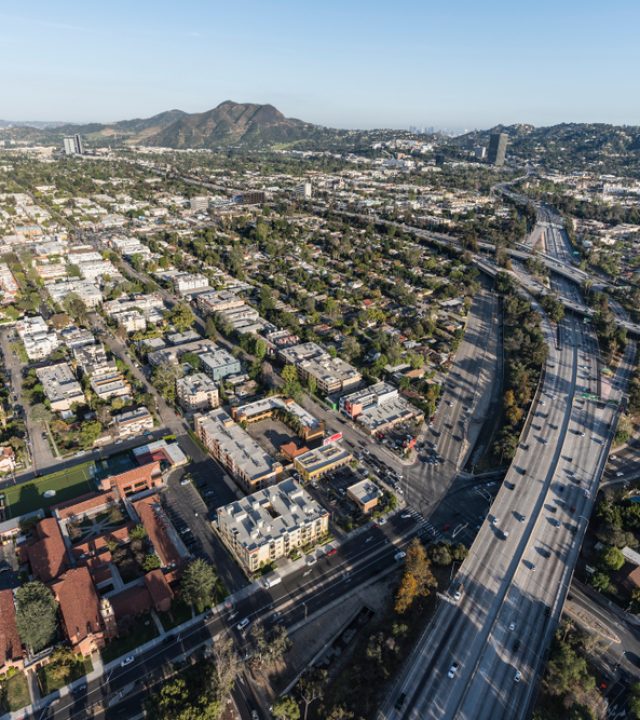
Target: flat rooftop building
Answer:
[[271, 523], [247, 462], [331, 374], [379, 407], [197, 392], [322, 460], [366, 495], [61, 387], [308, 427]]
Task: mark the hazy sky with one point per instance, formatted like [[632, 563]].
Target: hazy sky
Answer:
[[344, 63]]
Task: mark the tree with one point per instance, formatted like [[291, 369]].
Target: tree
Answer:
[[90, 431], [151, 562], [164, 380], [406, 593], [61, 664], [286, 708], [311, 688], [75, 307], [634, 700], [198, 584], [612, 558], [441, 554], [36, 615], [226, 666], [181, 317], [138, 532]]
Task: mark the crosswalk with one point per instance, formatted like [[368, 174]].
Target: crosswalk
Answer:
[[425, 528]]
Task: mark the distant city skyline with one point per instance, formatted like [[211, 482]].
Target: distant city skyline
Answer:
[[348, 65]]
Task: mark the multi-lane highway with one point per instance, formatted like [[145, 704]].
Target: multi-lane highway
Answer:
[[481, 655]]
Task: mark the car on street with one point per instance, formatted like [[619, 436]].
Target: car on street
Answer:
[[243, 624], [400, 555], [127, 661], [512, 625], [453, 670], [517, 677]]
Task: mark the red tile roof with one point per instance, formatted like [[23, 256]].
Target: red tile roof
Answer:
[[47, 555], [10, 644], [158, 588], [79, 604], [147, 475], [156, 524], [87, 502], [131, 602]]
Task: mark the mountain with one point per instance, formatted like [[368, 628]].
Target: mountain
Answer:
[[242, 124], [229, 124]]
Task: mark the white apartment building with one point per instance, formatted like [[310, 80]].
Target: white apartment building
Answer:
[[132, 422], [271, 523], [197, 392], [188, 283]]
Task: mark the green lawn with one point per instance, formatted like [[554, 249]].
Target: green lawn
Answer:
[[68, 484], [49, 684], [140, 634], [17, 693]]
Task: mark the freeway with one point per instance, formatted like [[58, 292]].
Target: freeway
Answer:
[[480, 656]]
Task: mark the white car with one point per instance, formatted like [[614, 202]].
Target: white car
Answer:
[[127, 661], [400, 555], [243, 624], [517, 677], [512, 626], [453, 670]]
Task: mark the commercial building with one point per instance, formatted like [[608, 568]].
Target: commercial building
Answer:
[[284, 409], [318, 462], [497, 149], [331, 375], [216, 301], [61, 387], [271, 523], [247, 462], [379, 407], [199, 203], [365, 494], [218, 364], [197, 392]]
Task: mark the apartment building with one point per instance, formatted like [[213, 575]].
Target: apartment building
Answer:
[[74, 337], [8, 285], [331, 375], [197, 392], [185, 283], [271, 523], [236, 450], [61, 387], [218, 364], [87, 292], [132, 422], [38, 340], [105, 378]]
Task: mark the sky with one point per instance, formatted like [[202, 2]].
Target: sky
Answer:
[[343, 63]]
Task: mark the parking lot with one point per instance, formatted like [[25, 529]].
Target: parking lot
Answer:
[[331, 492], [399, 439], [272, 434]]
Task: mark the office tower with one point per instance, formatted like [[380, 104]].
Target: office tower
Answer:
[[480, 152], [73, 145], [497, 148]]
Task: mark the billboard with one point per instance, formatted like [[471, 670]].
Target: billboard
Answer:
[[332, 438]]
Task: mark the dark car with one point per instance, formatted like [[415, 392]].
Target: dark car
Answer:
[[400, 701]]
